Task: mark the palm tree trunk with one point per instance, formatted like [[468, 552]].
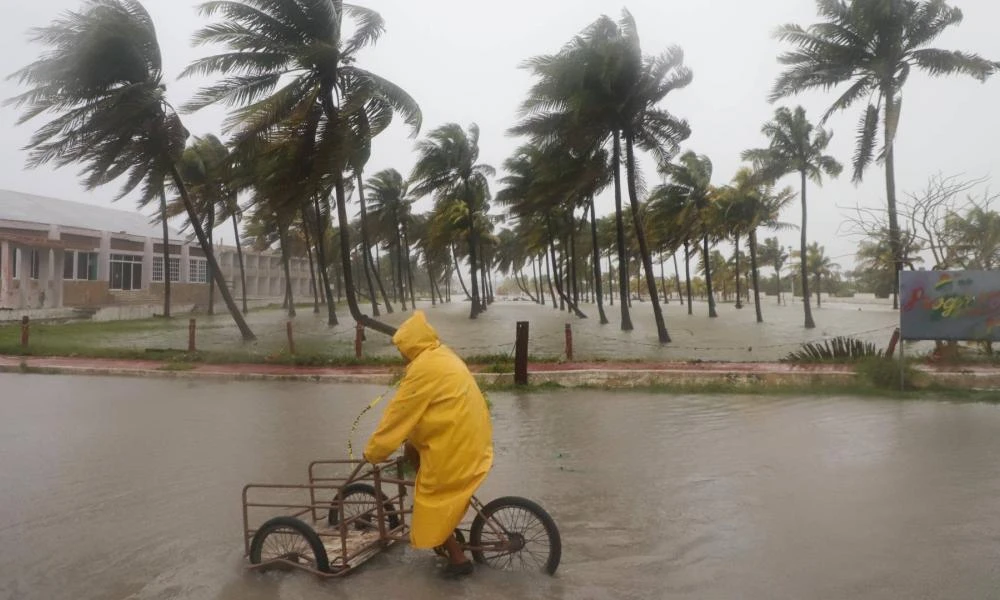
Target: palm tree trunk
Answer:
[[213, 265], [312, 265], [819, 300], [459, 271], [321, 227], [473, 266], [755, 274], [399, 270], [239, 255], [538, 282], [677, 279], [559, 287], [623, 278], [810, 324], [283, 234], [572, 258], [599, 293], [345, 258], [369, 263], [708, 280], [777, 274], [211, 248], [548, 277], [409, 269], [895, 238], [739, 292], [485, 296], [611, 282], [687, 274], [663, 281], [166, 253]]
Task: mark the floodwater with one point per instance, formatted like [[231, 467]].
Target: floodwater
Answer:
[[733, 336], [119, 489]]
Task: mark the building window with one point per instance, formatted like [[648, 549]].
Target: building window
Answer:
[[15, 256], [35, 256], [80, 266], [175, 269], [86, 266], [198, 271], [126, 272], [69, 264]]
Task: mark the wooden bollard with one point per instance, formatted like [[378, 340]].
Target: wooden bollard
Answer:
[[891, 350], [192, 330], [359, 337], [521, 354], [25, 330], [569, 342], [291, 338]]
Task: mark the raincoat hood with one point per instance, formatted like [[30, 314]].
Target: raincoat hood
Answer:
[[415, 336]]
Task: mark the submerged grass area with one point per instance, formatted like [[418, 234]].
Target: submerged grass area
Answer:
[[859, 390]]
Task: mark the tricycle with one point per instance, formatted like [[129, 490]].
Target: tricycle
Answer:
[[367, 513]]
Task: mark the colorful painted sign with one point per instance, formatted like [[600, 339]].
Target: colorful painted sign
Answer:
[[950, 305]]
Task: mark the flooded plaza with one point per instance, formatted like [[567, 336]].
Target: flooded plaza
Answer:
[[129, 489], [733, 336]]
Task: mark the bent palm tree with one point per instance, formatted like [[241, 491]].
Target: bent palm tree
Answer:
[[796, 147], [873, 45], [447, 167], [301, 47], [691, 185], [103, 79]]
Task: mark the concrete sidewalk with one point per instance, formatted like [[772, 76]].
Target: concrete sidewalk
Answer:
[[618, 375]]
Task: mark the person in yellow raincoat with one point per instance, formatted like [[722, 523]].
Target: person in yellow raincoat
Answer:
[[440, 411]]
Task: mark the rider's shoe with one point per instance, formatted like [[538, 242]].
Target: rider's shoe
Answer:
[[463, 569]]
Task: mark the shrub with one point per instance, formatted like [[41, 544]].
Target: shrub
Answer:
[[886, 374], [839, 349]]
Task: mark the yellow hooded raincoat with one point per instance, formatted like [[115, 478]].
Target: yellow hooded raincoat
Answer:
[[441, 411]]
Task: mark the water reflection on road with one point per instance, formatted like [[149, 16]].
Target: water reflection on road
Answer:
[[119, 489]]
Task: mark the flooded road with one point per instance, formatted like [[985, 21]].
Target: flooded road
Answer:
[[118, 489]]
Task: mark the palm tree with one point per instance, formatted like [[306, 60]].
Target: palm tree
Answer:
[[819, 265], [600, 89], [774, 254], [103, 79], [675, 222], [873, 45], [447, 167], [301, 47], [690, 184], [974, 238], [391, 212], [755, 204], [796, 146]]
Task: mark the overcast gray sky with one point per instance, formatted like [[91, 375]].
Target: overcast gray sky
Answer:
[[460, 60]]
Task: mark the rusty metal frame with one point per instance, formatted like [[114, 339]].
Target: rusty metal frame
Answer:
[[380, 476]]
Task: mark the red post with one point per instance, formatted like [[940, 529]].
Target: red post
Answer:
[[891, 350], [569, 342], [25, 330], [359, 336], [192, 329], [291, 339]]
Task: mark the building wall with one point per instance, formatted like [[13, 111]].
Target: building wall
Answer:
[[183, 293], [78, 294], [264, 272]]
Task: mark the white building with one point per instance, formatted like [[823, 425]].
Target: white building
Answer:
[[56, 254]]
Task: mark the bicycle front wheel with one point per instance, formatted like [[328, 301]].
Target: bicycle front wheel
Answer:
[[515, 534]]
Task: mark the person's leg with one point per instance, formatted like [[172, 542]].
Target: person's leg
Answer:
[[458, 564], [456, 555]]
